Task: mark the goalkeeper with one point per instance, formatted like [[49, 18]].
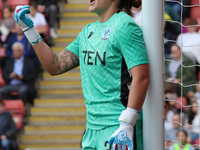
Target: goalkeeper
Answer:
[[114, 70]]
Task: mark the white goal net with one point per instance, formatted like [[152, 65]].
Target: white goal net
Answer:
[[181, 79]]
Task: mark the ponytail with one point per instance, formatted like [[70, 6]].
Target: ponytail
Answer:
[[126, 5]]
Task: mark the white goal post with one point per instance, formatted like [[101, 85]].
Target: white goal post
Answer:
[[152, 24]]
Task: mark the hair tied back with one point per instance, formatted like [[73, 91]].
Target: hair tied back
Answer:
[[136, 3]]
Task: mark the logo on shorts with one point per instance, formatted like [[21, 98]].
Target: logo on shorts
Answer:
[[105, 36]]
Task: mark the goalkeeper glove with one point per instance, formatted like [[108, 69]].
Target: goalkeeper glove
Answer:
[[24, 21], [122, 138]]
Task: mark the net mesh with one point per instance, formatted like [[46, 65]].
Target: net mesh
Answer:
[[181, 96]]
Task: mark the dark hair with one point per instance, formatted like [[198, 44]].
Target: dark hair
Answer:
[[33, 4], [191, 114], [184, 131], [167, 103], [2, 103], [170, 87], [8, 7], [192, 21], [126, 5]]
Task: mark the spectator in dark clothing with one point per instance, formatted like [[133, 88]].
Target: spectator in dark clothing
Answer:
[[175, 28], [174, 4], [19, 75], [8, 129], [169, 37], [186, 10], [175, 73], [49, 7], [20, 37]]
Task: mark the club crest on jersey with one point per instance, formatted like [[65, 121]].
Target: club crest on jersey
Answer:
[[105, 36]]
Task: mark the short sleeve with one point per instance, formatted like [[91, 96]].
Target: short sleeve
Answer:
[[74, 46], [131, 44], [43, 20]]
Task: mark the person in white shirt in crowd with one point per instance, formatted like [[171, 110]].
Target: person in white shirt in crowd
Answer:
[[190, 41], [38, 19]]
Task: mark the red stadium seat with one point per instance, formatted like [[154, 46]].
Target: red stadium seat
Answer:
[[195, 12], [2, 52], [194, 2], [14, 93], [1, 4], [1, 78], [14, 3], [196, 141], [15, 106], [2, 83], [183, 101], [18, 119]]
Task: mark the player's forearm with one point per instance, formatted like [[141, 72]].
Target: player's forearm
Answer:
[[138, 88], [47, 57], [53, 63], [137, 94]]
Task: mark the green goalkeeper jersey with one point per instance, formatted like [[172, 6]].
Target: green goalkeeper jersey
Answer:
[[106, 52]]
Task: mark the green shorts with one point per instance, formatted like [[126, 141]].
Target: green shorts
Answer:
[[95, 139]]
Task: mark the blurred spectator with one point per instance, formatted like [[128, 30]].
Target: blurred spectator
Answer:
[[174, 4], [19, 75], [168, 38], [172, 98], [186, 10], [190, 41], [176, 7], [8, 129], [168, 113], [197, 93], [8, 19], [49, 7], [174, 16], [176, 73], [7, 23], [137, 15], [38, 20], [194, 96], [20, 37], [182, 139], [193, 121], [170, 135], [170, 90]]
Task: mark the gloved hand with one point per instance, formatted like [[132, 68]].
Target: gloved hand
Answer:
[[21, 17], [24, 21], [122, 138]]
